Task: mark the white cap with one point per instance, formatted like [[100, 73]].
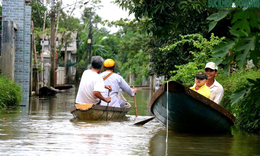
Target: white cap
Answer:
[[211, 65]]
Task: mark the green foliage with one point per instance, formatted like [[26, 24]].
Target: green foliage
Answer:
[[185, 73], [244, 101], [38, 10], [164, 18], [165, 21], [137, 65], [132, 53], [11, 93], [216, 17], [97, 37], [164, 61], [97, 46], [244, 44]]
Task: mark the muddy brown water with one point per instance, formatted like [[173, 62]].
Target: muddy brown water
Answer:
[[46, 127]]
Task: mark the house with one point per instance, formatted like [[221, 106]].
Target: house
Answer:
[[63, 74], [71, 54]]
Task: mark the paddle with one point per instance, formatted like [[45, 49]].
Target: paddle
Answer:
[[107, 106], [140, 123], [135, 104]]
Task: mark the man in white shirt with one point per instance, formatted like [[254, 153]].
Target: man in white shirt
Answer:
[[117, 82], [92, 85], [216, 89]]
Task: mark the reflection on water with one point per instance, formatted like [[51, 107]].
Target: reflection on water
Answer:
[[46, 127], [142, 99], [186, 144]]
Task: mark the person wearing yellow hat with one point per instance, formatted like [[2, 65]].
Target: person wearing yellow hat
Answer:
[[92, 85], [117, 82]]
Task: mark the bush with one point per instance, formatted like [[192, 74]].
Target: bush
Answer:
[[234, 82], [185, 73], [10, 94], [241, 98]]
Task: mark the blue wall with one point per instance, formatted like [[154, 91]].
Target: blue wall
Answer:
[[18, 12]]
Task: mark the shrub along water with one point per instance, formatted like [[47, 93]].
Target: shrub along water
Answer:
[[10, 93], [242, 98]]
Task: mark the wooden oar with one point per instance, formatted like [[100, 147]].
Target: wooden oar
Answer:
[[135, 104], [140, 123]]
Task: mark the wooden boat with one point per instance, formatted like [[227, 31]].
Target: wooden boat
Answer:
[[62, 87], [100, 112], [189, 111], [47, 91]]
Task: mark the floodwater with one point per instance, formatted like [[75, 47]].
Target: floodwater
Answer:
[[46, 127]]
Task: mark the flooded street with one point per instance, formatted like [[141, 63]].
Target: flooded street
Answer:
[[46, 127]]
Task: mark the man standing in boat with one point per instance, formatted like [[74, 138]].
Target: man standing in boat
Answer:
[[216, 89], [92, 85], [117, 82]]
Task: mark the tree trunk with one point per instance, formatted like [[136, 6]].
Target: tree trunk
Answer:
[[65, 60], [58, 18], [36, 80], [53, 45], [43, 37]]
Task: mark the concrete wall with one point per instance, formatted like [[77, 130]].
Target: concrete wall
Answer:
[[8, 48], [60, 75], [19, 13]]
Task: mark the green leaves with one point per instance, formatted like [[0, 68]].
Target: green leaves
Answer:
[[185, 72], [244, 20], [243, 50], [212, 25], [245, 45], [238, 95], [246, 103], [164, 17], [216, 17], [219, 15], [240, 21], [223, 49], [11, 93]]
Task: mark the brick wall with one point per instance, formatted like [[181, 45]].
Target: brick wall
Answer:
[[16, 11]]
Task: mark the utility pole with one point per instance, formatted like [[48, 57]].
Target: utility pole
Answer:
[[53, 45], [89, 38]]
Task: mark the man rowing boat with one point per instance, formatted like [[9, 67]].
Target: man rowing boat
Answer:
[[92, 85]]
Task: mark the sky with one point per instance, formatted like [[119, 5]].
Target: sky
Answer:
[[109, 11]]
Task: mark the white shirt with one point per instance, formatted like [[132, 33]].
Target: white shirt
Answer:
[[216, 92], [117, 82], [90, 82]]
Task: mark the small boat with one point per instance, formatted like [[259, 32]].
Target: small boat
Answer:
[[100, 112], [189, 111], [62, 87], [47, 91]]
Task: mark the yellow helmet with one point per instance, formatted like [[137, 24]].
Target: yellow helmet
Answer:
[[109, 63]]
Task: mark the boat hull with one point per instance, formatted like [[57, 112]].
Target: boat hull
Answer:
[[188, 111], [99, 112]]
